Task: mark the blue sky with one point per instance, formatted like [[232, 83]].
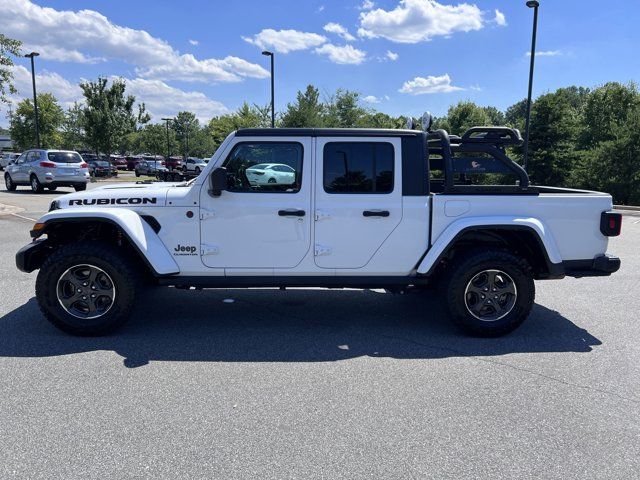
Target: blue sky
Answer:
[[403, 56]]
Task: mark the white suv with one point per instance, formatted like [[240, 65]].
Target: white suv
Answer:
[[50, 169]]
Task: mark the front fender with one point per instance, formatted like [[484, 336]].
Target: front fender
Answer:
[[457, 228], [134, 227]]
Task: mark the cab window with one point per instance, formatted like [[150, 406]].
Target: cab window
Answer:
[[358, 167], [251, 167]]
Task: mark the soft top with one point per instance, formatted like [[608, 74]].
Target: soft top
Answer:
[[326, 132]]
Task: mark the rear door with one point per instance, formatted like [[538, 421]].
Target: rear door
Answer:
[[358, 199]]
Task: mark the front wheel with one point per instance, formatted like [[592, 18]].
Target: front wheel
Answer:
[[86, 289], [8, 183], [490, 293], [80, 188]]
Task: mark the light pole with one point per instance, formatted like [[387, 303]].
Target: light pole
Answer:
[[167, 120], [273, 112], [531, 4], [35, 100]]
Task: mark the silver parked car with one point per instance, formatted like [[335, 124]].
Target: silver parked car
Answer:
[[50, 169], [7, 158]]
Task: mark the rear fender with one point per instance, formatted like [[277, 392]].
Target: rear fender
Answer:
[[448, 237], [135, 228]]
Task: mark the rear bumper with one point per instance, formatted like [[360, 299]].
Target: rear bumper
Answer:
[[600, 266]]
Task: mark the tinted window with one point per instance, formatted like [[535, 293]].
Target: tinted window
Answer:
[[64, 157], [246, 167], [358, 167]]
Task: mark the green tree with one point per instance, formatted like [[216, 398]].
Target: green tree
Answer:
[[72, 128], [186, 127], [245, 117], [555, 125], [50, 118], [606, 112], [8, 48], [109, 115], [463, 116], [343, 110], [496, 117], [152, 138], [306, 112]]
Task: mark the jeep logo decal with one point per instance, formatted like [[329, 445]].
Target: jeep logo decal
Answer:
[[185, 250], [114, 201]]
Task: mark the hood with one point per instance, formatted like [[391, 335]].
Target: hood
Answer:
[[118, 195]]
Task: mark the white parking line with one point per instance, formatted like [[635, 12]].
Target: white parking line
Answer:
[[23, 217]]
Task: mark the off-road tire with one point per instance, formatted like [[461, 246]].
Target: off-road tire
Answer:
[[465, 268], [80, 188], [8, 183], [103, 256], [36, 186]]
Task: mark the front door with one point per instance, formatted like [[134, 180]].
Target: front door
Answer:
[[358, 199], [263, 219]]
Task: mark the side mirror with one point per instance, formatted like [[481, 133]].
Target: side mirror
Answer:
[[217, 181]]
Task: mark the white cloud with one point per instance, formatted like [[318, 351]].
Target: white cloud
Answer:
[[339, 30], [159, 98], [47, 82], [87, 36], [500, 19], [194, 42], [346, 54], [371, 99], [546, 53], [285, 41], [367, 5], [391, 55], [163, 100], [415, 21], [430, 84]]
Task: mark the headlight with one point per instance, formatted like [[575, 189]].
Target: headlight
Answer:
[[55, 205]]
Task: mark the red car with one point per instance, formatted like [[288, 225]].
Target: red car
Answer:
[[174, 163], [119, 162]]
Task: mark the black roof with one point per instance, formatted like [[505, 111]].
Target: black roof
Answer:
[[325, 132]]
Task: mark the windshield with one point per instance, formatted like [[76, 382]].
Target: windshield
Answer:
[[64, 157], [101, 163]]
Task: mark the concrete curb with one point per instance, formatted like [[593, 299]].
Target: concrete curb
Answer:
[[627, 207]]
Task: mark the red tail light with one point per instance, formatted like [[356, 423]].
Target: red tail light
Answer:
[[610, 224], [48, 164], [84, 165]]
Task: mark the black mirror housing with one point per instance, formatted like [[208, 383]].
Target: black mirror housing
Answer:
[[218, 181]]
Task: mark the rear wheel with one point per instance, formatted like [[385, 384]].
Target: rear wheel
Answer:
[[489, 293], [8, 183], [197, 170], [36, 186], [80, 188], [271, 180], [86, 289]]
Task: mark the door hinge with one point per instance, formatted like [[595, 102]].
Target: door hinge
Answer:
[[321, 214], [209, 249], [205, 213], [321, 250]]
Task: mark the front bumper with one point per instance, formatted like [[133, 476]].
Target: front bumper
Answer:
[[600, 266], [31, 256]]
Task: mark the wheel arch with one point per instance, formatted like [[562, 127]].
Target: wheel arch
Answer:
[[119, 225], [528, 238]]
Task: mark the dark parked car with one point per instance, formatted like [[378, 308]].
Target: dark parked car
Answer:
[[101, 168], [149, 167]]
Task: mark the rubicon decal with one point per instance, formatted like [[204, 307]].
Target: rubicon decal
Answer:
[[114, 201]]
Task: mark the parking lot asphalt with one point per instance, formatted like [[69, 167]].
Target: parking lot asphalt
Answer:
[[321, 384]]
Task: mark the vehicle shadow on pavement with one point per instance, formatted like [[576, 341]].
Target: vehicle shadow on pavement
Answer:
[[292, 326]]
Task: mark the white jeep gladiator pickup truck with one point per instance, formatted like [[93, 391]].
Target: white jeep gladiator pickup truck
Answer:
[[365, 208]]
